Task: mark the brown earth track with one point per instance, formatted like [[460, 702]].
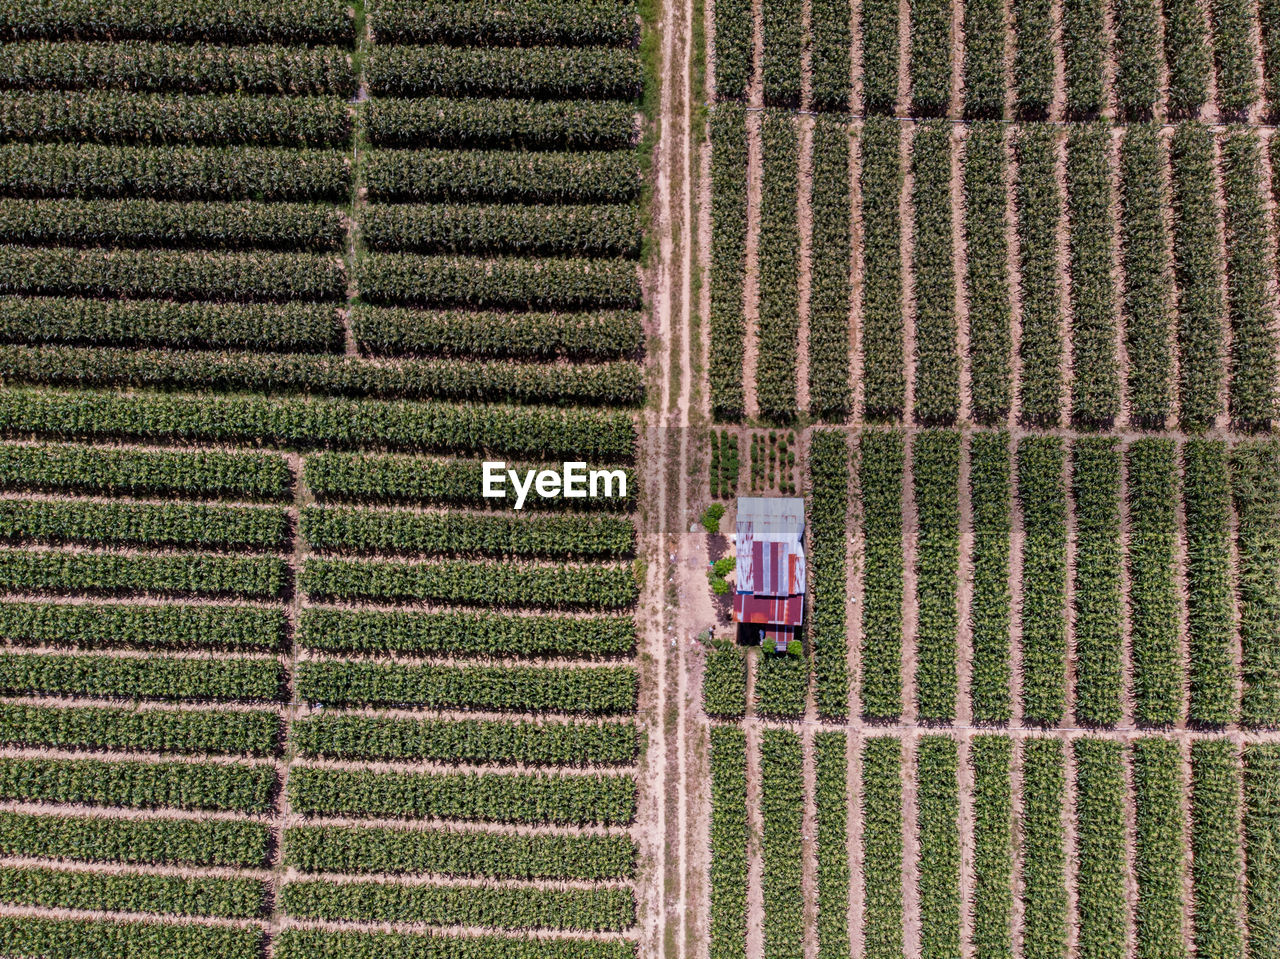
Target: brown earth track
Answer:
[[1127, 704], [910, 585], [855, 279], [907, 221], [960, 261], [804, 220]]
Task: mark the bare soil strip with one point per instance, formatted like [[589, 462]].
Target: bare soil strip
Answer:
[[910, 849], [1017, 886], [1223, 421], [1130, 858], [964, 593], [907, 221], [910, 584], [755, 861], [1118, 281], [1058, 105], [1017, 541], [955, 105], [960, 259], [856, 269], [1064, 283], [809, 848], [1015, 280], [1071, 846], [857, 890], [965, 781], [1127, 705], [1069, 614], [804, 219]]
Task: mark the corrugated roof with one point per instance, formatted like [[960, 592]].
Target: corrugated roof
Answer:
[[770, 560]]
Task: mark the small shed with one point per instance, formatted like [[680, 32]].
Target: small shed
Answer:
[[770, 566]]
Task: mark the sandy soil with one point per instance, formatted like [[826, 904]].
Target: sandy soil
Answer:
[[855, 281], [1069, 717], [907, 221], [964, 593], [804, 220], [1064, 284], [1127, 705], [910, 582], [1015, 283], [960, 259]]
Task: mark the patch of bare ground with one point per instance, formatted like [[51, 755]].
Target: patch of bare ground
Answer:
[[1127, 704], [855, 278], [960, 257], [755, 861], [809, 846], [1017, 541], [1237, 651], [1223, 420], [910, 584], [1069, 614], [1009, 51], [1171, 298], [955, 105], [1063, 263], [751, 280], [456, 932], [854, 582], [1071, 845], [964, 592], [1058, 103], [911, 921], [853, 841], [965, 783], [907, 220], [902, 104], [855, 56], [1017, 885], [1130, 857], [1180, 561], [49, 912], [804, 219], [1124, 415], [1188, 882], [1257, 110], [1015, 281], [1109, 109]]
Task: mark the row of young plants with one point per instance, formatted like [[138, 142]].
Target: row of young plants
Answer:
[[601, 690], [1261, 833], [32, 936], [990, 466], [882, 302], [213, 896], [140, 626], [728, 260], [735, 53], [579, 799], [882, 847], [520, 908], [596, 436], [825, 571], [393, 331], [1235, 56], [162, 172], [724, 681], [381, 478], [935, 464], [260, 327], [931, 53], [879, 32], [455, 853], [1034, 67], [460, 581], [1100, 873], [110, 677], [156, 223], [830, 294], [500, 123], [617, 384], [782, 683], [779, 306], [1217, 896], [462, 24], [229, 787], [1084, 53], [57, 572], [465, 741], [1098, 598], [1160, 847], [881, 463], [830, 55], [1042, 853], [117, 728], [452, 633], [234, 843], [831, 803], [983, 87], [990, 756], [500, 176], [1139, 58], [1189, 57], [57, 117], [938, 828], [782, 815], [937, 358], [301, 943], [1039, 197], [1255, 483], [535, 72], [727, 937], [177, 68], [1043, 499], [782, 31], [986, 226]]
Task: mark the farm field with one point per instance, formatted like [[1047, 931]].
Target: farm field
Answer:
[[276, 680]]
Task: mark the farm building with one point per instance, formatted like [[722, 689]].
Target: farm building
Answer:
[[770, 566]]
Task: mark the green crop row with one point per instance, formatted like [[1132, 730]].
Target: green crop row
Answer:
[[90, 171], [67, 938], [880, 56], [936, 470], [250, 732], [984, 83], [937, 818], [735, 62], [1160, 848], [112, 573], [825, 571], [578, 799], [463, 634], [728, 259], [728, 871], [986, 226], [607, 384], [599, 690], [1099, 597], [1042, 853], [177, 68], [193, 525], [831, 800], [778, 327], [1187, 53], [466, 741], [830, 29], [1039, 197], [1197, 266], [1269, 27], [369, 477], [830, 395], [528, 23], [782, 813], [1100, 803], [1211, 626], [882, 848], [549, 73], [1250, 303], [380, 531], [135, 626], [1235, 55], [1255, 481], [1262, 844], [1145, 259], [459, 581], [782, 683], [108, 677], [175, 842], [1034, 68], [1138, 57], [149, 118], [990, 757], [477, 122], [882, 301], [226, 898], [171, 274], [1044, 579], [111, 471], [388, 331], [281, 327], [937, 357], [323, 944], [518, 908], [931, 52], [192, 21], [138, 785], [151, 223], [880, 473], [989, 491], [501, 176], [1084, 52], [724, 681], [782, 30], [1215, 849], [450, 852], [339, 422], [546, 284], [1155, 605], [611, 230], [1095, 383]]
